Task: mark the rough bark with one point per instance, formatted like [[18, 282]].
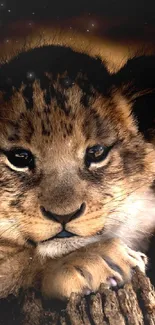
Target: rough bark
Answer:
[[134, 304]]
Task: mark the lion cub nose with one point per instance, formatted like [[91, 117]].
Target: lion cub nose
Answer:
[[65, 217]]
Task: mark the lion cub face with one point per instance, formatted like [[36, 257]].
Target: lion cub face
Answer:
[[72, 163]]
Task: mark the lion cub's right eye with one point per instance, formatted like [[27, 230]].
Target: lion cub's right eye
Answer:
[[20, 158], [96, 154]]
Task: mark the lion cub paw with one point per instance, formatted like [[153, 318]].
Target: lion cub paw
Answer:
[[83, 271]]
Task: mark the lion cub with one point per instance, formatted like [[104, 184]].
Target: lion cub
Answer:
[[76, 171]]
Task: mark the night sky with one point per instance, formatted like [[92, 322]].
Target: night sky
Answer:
[[66, 8], [114, 18]]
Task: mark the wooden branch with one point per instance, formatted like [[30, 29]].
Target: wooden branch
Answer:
[[134, 304]]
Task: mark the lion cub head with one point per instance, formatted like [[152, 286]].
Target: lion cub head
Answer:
[[74, 167]]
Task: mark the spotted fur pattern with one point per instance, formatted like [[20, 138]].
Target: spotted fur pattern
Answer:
[[56, 103]]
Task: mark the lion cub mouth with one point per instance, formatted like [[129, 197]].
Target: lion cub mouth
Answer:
[[61, 234], [64, 234]]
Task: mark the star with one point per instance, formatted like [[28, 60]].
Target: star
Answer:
[[2, 5], [30, 75], [31, 24]]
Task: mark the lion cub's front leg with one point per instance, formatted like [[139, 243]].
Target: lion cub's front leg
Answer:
[[83, 271]]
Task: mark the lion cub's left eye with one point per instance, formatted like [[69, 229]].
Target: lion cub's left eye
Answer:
[[20, 158], [96, 154]]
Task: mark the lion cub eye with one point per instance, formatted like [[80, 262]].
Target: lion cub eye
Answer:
[[20, 158], [96, 154]]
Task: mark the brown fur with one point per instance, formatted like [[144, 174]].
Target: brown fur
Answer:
[[117, 192]]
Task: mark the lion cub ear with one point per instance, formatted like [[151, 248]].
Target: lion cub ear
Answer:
[[137, 82]]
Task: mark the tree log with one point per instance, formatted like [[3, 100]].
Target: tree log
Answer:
[[134, 304]]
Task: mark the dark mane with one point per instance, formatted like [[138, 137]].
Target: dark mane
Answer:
[[54, 59]]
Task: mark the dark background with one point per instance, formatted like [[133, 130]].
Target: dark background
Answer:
[[135, 14], [115, 19], [141, 10]]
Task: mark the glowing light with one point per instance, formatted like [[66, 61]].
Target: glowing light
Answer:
[[30, 75], [2, 5]]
